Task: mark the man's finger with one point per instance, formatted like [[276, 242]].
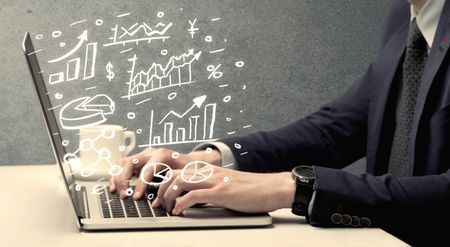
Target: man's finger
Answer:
[[163, 187], [177, 187], [156, 203], [122, 181], [145, 177], [193, 197], [112, 185], [174, 190], [140, 159]]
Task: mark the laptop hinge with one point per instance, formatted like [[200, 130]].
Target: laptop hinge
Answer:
[[82, 202]]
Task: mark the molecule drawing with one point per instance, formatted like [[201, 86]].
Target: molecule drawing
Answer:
[[103, 154]]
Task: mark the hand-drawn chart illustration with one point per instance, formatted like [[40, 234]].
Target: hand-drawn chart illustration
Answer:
[[138, 32], [176, 72], [73, 65], [160, 171], [195, 126], [168, 77], [86, 111], [103, 155], [196, 172]]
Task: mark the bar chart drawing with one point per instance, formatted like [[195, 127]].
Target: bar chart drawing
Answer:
[[73, 67], [176, 72], [196, 124]]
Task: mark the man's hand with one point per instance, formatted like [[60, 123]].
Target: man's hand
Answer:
[[133, 165], [240, 191]]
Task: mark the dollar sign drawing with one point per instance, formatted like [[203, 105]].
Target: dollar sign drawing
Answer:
[[110, 74]]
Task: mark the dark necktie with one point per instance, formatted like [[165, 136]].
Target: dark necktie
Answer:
[[413, 67]]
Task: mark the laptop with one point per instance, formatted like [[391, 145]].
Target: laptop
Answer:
[[104, 210]]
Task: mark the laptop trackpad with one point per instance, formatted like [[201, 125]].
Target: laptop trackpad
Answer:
[[213, 212]]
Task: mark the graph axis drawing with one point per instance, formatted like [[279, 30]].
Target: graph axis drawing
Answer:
[[191, 129], [177, 72]]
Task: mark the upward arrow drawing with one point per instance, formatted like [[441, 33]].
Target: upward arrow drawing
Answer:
[[198, 102], [83, 37]]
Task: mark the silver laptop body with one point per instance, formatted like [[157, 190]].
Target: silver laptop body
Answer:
[[102, 210]]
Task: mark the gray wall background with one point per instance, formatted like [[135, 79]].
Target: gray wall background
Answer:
[[298, 55]]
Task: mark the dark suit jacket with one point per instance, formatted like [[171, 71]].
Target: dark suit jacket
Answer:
[[360, 124]]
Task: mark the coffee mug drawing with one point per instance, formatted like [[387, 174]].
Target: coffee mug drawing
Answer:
[[101, 148]]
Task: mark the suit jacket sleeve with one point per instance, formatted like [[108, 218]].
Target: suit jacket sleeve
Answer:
[[333, 136], [404, 206]]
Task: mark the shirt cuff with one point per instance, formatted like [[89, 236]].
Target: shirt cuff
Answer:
[[311, 203], [228, 160]]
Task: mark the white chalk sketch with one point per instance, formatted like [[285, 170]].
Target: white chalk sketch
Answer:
[[176, 72], [196, 172], [83, 37], [73, 66], [89, 62], [196, 126], [192, 29], [159, 170], [215, 73], [178, 62], [103, 154], [110, 74], [86, 111], [123, 15], [77, 22], [138, 33], [217, 51], [73, 74]]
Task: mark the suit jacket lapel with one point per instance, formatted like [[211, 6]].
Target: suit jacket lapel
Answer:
[[437, 54], [385, 69]]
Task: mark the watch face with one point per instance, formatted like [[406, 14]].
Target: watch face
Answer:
[[304, 172]]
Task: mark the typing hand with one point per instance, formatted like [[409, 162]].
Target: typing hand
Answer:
[[133, 165], [240, 191]]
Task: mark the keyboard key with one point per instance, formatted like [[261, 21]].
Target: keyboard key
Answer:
[[159, 212], [144, 208], [116, 206], [130, 207], [105, 206]]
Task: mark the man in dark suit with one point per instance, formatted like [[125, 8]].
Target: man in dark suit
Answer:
[[397, 116]]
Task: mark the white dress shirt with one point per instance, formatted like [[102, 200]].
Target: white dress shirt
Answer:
[[427, 19]]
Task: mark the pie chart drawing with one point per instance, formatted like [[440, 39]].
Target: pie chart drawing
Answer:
[[202, 171], [160, 171], [86, 111]]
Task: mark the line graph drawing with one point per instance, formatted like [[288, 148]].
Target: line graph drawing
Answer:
[[137, 33], [86, 111], [187, 127], [177, 72], [198, 102]]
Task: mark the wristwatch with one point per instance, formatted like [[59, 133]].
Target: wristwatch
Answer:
[[304, 180]]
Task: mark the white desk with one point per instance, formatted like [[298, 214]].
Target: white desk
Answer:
[[35, 212]]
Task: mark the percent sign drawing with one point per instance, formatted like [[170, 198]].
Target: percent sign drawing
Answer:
[[215, 73]]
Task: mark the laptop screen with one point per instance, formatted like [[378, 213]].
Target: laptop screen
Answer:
[[50, 119]]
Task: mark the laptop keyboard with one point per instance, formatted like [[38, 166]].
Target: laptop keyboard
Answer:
[[113, 207]]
